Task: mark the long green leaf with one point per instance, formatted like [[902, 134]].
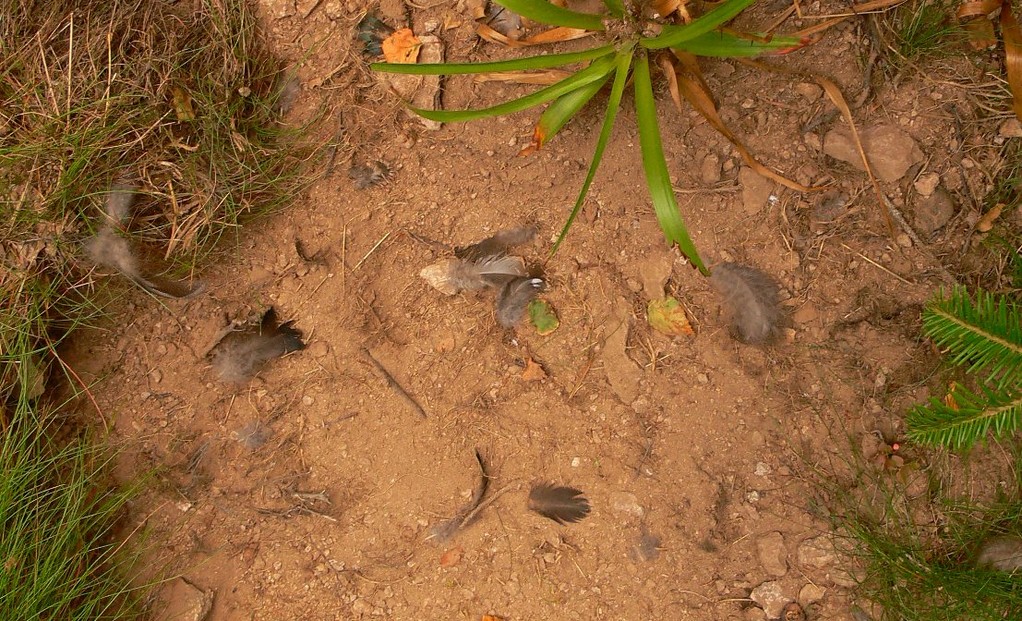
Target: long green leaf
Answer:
[[616, 7], [726, 45], [544, 12], [518, 64], [563, 109], [969, 421], [671, 36], [594, 72], [653, 162], [624, 62], [985, 336]]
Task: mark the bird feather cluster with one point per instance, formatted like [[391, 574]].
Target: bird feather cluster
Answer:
[[111, 249], [752, 300], [486, 265], [240, 353]]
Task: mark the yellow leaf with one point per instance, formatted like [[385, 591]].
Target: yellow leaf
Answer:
[[987, 221], [667, 315], [182, 104], [402, 47]]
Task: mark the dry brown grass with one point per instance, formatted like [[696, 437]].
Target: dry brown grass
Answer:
[[179, 97]]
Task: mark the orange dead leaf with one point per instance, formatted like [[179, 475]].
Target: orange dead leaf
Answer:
[[1012, 36], [491, 618], [533, 371], [987, 221], [401, 47], [663, 8], [547, 36], [451, 557], [538, 139], [949, 398]]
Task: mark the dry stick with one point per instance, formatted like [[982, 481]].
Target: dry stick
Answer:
[[70, 53], [394, 384], [371, 250], [85, 387], [877, 265], [486, 503]]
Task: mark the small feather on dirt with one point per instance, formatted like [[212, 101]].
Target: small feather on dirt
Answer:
[[240, 354], [367, 175], [752, 299], [559, 503]]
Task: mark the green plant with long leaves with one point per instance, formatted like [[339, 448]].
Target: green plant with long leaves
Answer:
[[626, 41], [985, 338]]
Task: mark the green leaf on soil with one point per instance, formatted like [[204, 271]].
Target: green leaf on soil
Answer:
[[543, 317], [593, 73], [624, 62], [548, 13], [545, 61], [671, 36], [657, 178], [667, 315]]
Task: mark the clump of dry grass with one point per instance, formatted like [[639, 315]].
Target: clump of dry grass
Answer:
[[179, 97]]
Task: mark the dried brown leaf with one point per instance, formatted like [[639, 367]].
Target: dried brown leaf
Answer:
[[533, 371], [688, 82], [1012, 36], [987, 221], [451, 557], [553, 35], [549, 76], [402, 47]]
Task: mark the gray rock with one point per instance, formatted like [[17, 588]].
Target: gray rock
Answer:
[[755, 190], [622, 373], [817, 553], [709, 170], [626, 504], [771, 598], [1001, 553], [772, 554], [890, 150], [185, 602], [933, 212], [810, 594]]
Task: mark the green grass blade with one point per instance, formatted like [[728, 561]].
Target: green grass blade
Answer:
[[672, 36], [624, 62], [653, 162], [594, 72], [563, 109], [726, 45], [616, 7], [973, 417], [544, 12], [518, 64], [985, 336]]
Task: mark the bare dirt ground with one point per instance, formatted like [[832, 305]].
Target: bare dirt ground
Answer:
[[310, 492]]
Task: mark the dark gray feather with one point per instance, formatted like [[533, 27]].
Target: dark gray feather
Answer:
[[496, 245], [558, 503], [488, 272], [752, 300], [241, 354], [514, 297]]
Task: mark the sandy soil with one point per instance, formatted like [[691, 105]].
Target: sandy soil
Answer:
[[309, 493]]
